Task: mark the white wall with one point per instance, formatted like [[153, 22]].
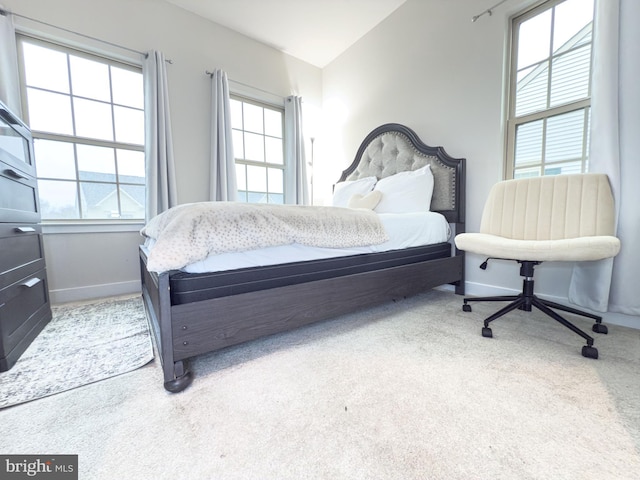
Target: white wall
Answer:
[[429, 67], [87, 265]]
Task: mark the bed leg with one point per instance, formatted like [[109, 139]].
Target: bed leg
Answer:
[[460, 285], [182, 378]]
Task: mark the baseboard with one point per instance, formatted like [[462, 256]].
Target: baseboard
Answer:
[[91, 292], [484, 290], [613, 318]]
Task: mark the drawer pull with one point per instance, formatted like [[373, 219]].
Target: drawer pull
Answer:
[[32, 282], [14, 174], [24, 229], [7, 117]]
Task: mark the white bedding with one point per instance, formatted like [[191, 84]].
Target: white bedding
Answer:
[[189, 233], [404, 230]]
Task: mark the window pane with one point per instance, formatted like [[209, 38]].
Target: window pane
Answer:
[[236, 114], [256, 178], [257, 197], [272, 123], [96, 163], [571, 17], [99, 200], [49, 112], [89, 79], [58, 199], [241, 176], [55, 159], [276, 183], [563, 168], [570, 77], [254, 147], [274, 151], [45, 68], [275, 198], [93, 119], [129, 125], [529, 143], [238, 143], [127, 87], [131, 166], [534, 37], [527, 172], [132, 201], [253, 118], [531, 89], [565, 135]]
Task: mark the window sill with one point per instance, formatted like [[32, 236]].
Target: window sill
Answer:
[[52, 227]]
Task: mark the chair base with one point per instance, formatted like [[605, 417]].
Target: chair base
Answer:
[[527, 300]]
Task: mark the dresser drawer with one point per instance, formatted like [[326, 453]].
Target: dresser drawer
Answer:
[[16, 142], [19, 199], [24, 311], [21, 252]]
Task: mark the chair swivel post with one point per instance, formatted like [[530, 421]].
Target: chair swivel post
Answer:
[[527, 299]]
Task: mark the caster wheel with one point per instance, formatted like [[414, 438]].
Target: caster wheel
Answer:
[[179, 384], [486, 332], [600, 328], [466, 308], [590, 352]]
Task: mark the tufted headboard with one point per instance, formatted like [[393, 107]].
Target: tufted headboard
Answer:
[[393, 148]]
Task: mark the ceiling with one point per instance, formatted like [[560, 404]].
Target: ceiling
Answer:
[[316, 31]]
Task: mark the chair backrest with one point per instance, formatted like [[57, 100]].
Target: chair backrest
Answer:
[[550, 208]]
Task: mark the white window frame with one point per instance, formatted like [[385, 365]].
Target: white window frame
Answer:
[[283, 166], [81, 224], [513, 122]]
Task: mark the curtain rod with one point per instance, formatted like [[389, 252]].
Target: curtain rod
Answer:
[[210, 73], [5, 12], [488, 10]]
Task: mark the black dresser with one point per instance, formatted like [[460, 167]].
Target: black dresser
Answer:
[[24, 297]]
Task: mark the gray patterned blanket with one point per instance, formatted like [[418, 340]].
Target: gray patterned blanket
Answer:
[[191, 232]]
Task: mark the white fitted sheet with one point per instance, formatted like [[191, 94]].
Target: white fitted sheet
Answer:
[[405, 230]]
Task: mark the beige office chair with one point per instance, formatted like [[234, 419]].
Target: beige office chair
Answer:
[[566, 218]]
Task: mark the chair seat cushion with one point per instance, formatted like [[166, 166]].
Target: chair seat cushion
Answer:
[[566, 250]]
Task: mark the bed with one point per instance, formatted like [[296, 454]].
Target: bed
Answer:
[[192, 311]]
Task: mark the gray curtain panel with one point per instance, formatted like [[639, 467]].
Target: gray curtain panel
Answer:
[[161, 191], [223, 168], [611, 285], [297, 190]]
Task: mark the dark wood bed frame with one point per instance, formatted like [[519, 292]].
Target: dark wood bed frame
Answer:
[[192, 314]]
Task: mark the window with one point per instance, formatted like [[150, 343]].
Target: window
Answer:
[[550, 89], [259, 151], [86, 114]]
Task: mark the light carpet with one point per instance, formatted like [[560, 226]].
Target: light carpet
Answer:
[[407, 390], [82, 344]]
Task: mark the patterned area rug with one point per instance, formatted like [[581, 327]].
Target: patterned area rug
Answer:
[[83, 343]]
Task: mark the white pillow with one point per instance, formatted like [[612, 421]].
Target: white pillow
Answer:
[[343, 191], [406, 192]]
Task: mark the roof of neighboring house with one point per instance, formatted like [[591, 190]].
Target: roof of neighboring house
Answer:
[[95, 189]]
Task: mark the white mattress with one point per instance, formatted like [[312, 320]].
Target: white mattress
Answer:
[[403, 229]]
